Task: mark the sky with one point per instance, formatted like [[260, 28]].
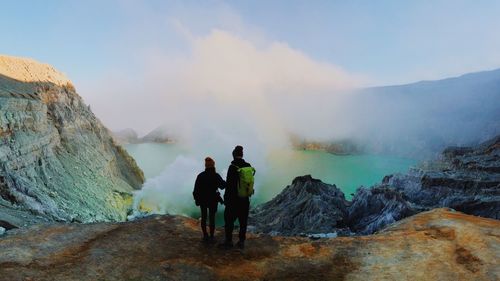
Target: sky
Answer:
[[114, 49]]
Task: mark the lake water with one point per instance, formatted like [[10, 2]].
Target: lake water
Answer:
[[348, 172]]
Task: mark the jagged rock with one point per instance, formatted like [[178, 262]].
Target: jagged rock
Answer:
[[455, 151], [374, 208], [57, 161], [465, 179], [307, 206], [437, 245], [468, 181]]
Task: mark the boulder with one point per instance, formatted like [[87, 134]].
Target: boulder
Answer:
[[307, 206], [374, 208]]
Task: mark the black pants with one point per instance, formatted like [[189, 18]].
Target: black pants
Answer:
[[212, 209], [236, 210]]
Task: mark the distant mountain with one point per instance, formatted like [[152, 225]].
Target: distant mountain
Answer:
[[126, 136], [426, 116], [337, 147], [159, 135]]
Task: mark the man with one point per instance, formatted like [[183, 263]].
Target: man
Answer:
[[237, 205], [207, 197]]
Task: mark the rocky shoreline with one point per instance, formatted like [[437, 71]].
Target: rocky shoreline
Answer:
[[466, 179]]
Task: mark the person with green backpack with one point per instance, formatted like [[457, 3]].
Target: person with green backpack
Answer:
[[239, 188]]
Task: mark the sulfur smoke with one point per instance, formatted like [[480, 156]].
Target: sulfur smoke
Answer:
[[225, 90], [228, 92]]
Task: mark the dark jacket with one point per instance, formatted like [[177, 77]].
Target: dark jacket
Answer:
[[231, 193], [205, 188]]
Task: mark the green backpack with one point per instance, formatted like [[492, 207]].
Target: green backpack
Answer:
[[246, 181]]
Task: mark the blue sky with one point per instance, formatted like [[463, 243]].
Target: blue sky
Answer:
[[386, 41]]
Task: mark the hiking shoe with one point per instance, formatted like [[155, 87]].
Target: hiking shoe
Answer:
[[241, 245], [212, 240], [226, 245], [206, 239]]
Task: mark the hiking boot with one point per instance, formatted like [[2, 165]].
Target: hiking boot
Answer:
[[212, 240], [206, 239], [226, 245], [241, 245]]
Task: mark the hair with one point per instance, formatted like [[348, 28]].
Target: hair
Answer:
[[209, 162], [238, 151]]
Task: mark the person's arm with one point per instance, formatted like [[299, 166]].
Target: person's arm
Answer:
[[221, 183], [196, 191]]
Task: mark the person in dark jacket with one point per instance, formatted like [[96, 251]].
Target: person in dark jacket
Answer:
[[236, 207], [207, 196]]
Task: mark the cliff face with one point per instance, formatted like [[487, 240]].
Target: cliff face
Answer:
[[57, 161], [436, 245]]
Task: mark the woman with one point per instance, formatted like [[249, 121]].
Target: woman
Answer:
[[207, 196]]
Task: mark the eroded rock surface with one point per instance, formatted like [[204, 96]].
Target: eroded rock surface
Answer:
[[464, 178], [307, 206], [57, 161], [374, 208], [435, 245]]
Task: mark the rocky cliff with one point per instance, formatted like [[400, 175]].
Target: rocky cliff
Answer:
[[436, 245], [57, 161], [465, 179]]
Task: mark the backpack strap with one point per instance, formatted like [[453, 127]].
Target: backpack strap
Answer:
[[237, 171]]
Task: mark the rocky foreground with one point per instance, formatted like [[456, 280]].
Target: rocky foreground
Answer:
[[436, 245], [57, 161]]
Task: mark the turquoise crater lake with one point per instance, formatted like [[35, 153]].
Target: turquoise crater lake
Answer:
[[347, 172]]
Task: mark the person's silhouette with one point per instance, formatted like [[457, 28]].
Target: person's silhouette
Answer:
[[237, 207], [207, 196]]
